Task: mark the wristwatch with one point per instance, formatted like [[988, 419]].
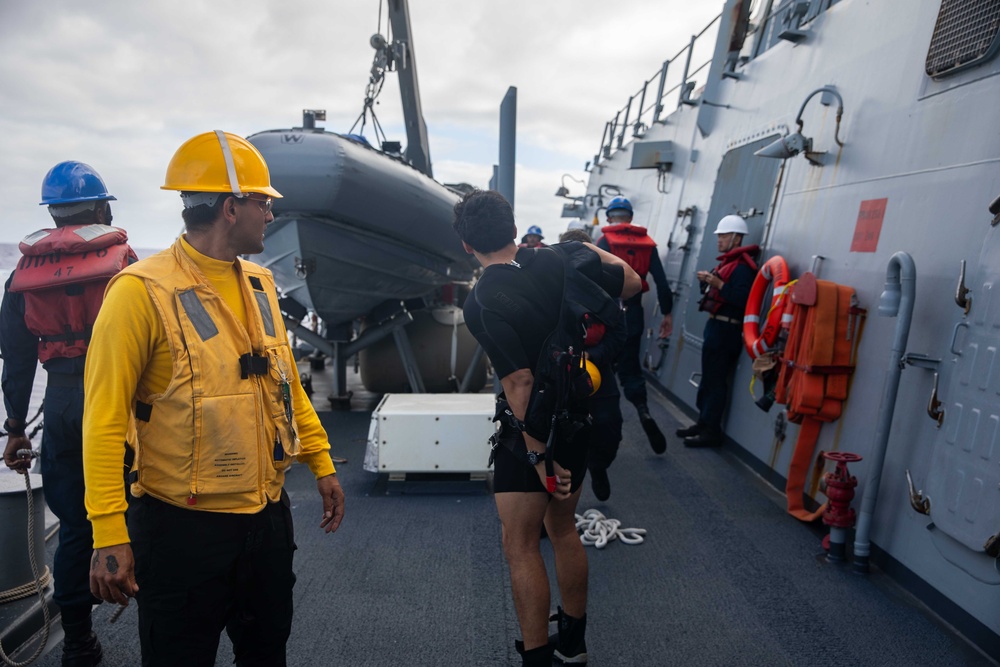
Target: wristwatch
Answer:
[[13, 430], [534, 458]]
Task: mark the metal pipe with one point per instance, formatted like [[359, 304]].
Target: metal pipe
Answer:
[[897, 300], [687, 69], [659, 93], [477, 356]]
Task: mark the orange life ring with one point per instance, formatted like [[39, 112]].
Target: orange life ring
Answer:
[[757, 342]]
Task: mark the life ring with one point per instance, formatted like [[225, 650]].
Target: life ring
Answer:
[[757, 342]]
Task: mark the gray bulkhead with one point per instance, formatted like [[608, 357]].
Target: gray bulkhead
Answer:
[[929, 148]]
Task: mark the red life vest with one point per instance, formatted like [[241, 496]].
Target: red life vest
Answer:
[[713, 300], [63, 273], [632, 244]]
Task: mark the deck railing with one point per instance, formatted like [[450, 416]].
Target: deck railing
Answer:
[[775, 20], [643, 108]]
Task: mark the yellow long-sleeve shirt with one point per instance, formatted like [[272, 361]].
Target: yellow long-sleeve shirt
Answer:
[[129, 348]]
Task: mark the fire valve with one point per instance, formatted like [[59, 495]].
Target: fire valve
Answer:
[[840, 490]]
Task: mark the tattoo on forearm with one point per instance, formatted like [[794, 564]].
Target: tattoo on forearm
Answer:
[[112, 565], [97, 560]]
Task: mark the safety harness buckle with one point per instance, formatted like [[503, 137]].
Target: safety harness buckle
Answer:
[[252, 364]]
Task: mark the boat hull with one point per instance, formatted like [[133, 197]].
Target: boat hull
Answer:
[[355, 228]]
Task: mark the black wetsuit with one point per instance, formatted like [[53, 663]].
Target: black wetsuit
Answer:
[[511, 311]]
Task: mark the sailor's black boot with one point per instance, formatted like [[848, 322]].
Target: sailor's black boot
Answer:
[[656, 439], [709, 437], [571, 642], [692, 430], [540, 656], [80, 646]]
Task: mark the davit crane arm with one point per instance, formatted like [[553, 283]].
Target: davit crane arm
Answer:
[[417, 149]]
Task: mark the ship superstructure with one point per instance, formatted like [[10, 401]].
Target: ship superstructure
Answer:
[[845, 133]]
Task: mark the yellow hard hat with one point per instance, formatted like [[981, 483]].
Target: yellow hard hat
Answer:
[[595, 375], [219, 162]]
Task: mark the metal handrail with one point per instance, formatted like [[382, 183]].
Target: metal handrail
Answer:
[[655, 107]]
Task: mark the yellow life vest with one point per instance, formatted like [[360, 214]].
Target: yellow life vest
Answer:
[[221, 435]]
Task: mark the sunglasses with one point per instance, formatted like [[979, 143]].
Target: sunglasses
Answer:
[[263, 202]]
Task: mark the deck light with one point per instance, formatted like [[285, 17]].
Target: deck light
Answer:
[[795, 143], [563, 191]]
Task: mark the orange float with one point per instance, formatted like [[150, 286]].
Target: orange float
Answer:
[[758, 342]]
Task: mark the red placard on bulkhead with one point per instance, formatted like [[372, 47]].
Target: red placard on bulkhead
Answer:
[[869, 225]]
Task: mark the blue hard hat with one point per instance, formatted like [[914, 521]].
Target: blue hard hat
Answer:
[[535, 229], [619, 203], [71, 182]]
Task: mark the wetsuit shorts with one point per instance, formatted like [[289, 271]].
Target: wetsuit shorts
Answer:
[[510, 474]]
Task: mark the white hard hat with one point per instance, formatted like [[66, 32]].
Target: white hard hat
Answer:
[[577, 224], [732, 223]]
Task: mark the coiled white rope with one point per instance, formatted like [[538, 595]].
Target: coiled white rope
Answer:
[[597, 530]]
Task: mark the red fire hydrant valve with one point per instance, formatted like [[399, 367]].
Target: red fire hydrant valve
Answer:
[[840, 490]]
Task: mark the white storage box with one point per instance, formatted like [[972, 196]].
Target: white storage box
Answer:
[[431, 433]]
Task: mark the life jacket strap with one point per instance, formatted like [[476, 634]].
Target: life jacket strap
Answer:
[[253, 364], [143, 411], [70, 336]]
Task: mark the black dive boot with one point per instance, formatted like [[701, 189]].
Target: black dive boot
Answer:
[[571, 641], [80, 646], [656, 439], [536, 657]]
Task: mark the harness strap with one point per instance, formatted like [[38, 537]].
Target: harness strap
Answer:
[[70, 336], [143, 411], [253, 364]]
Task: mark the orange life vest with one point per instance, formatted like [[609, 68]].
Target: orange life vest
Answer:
[[632, 244], [713, 300], [63, 273]]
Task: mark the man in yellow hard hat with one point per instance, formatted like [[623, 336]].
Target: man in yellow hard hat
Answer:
[[191, 343]]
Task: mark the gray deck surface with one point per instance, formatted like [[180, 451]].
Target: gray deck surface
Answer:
[[415, 575]]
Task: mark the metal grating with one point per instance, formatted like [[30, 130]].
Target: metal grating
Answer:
[[965, 34]]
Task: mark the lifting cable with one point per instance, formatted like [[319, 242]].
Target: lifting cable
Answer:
[[597, 530], [380, 64], [41, 581]]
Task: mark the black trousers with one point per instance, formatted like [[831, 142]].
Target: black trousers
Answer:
[[199, 572], [605, 434], [62, 470], [629, 361], [720, 352]]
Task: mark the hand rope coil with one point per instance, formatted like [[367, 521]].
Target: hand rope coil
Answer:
[[41, 581], [597, 530]]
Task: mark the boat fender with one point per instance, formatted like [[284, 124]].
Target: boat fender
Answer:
[[758, 342]]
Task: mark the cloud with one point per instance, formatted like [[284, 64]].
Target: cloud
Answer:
[[121, 85]]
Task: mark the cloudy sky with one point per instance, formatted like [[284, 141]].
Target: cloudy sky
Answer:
[[121, 84]]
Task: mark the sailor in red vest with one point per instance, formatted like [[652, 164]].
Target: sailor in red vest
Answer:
[[48, 311], [726, 289], [632, 244], [533, 238]]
